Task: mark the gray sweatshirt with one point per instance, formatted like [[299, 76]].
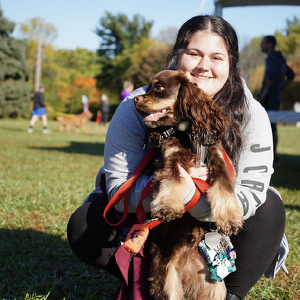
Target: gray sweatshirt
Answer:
[[125, 147]]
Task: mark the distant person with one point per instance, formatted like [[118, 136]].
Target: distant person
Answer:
[[277, 76], [39, 110], [104, 108], [85, 103], [128, 87]]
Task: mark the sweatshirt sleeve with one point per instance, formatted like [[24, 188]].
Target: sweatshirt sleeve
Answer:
[[124, 149], [255, 165], [256, 162]]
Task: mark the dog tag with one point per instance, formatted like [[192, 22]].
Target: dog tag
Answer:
[[222, 271], [183, 126], [212, 239]]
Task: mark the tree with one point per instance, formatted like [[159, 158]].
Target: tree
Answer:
[[14, 94], [118, 33], [79, 62], [146, 59], [167, 36], [251, 58], [33, 28], [118, 36], [61, 69], [41, 33], [73, 92]]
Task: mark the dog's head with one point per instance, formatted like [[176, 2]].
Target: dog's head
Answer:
[[89, 114], [158, 104], [171, 99]]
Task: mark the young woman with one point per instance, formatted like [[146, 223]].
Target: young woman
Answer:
[[206, 50]]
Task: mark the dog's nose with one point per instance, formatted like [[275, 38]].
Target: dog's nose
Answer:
[[138, 98]]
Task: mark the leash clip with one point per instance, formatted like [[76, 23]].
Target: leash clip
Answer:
[[167, 133]]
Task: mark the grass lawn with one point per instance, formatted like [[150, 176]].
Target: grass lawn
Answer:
[[45, 177]]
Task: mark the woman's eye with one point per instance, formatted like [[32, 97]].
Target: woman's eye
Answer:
[[193, 54], [217, 58]]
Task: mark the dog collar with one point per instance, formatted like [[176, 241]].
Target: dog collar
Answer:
[[183, 126], [168, 132]]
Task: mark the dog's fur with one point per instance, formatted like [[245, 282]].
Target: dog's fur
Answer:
[[79, 121], [178, 269]]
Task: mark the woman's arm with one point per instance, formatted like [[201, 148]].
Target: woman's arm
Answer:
[[255, 165], [256, 161], [124, 149]]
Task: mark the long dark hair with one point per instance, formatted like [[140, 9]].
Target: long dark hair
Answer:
[[231, 98]]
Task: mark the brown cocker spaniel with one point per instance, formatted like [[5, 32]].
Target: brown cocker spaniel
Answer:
[[180, 117]]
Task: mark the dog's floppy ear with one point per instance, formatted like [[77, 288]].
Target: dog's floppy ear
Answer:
[[201, 111]]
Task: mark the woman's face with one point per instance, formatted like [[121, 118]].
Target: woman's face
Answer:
[[205, 62]]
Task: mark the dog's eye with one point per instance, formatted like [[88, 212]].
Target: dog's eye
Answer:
[[158, 88]]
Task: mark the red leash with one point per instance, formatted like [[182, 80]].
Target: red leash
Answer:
[[139, 232], [123, 191], [230, 168]]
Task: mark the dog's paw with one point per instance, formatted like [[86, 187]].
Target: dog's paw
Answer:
[[230, 221], [228, 215], [167, 215], [166, 208], [230, 227]]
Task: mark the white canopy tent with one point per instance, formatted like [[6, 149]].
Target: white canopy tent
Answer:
[[220, 4], [283, 116]]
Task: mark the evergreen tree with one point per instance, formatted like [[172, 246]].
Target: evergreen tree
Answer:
[[118, 35], [14, 94]]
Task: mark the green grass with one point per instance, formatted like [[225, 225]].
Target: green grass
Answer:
[[44, 178]]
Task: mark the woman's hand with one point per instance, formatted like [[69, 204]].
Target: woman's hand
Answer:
[[187, 182], [200, 172]]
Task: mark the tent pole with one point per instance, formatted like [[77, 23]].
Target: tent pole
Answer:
[[218, 10]]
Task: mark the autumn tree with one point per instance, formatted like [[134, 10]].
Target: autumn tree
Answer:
[[81, 86], [146, 59], [59, 67], [14, 94]]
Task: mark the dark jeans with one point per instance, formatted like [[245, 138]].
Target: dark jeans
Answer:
[[94, 242], [272, 102]]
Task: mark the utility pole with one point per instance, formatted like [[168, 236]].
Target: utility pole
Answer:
[[38, 69], [200, 7]]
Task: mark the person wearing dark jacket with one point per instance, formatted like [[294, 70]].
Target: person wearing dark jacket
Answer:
[[104, 108], [39, 110], [278, 75]]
